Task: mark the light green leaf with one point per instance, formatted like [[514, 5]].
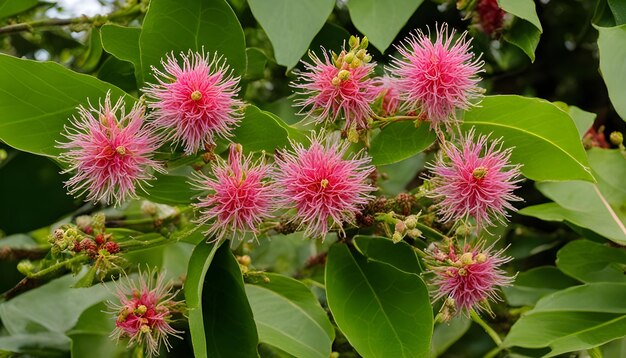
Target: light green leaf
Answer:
[[91, 335], [37, 98], [39, 344], [291, 25], [531, 285], [612, 48], [400, 255], [526, 31], [288, 316], [182, 25], [12, 7], [577, 318], [169, 189], [524, 9], [598, 207], [544, 137], [589, 261], [399, 141], [260, 131], [383, 312], [582, 119], [381, 21]]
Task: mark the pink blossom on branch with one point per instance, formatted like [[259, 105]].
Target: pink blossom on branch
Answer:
[[474, 179], [469, 276], [241, 195], [325, 189], [436, 79], [196, 102], [109, 151], [330, 92], [144, 312]]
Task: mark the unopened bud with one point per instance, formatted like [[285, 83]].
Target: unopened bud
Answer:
[[83, 222], [400, 227], [411, 221], [353, 42], [244, 260], [141, 309], [616, 138], [25, 267], [355, 63], [367, 59], [467, 258], [112, 247], [414, 233], [353, 135], [349, 57], [335, 81], [360, 54], [480, 258], [148, 208], [397, 237], [479, 173], [462, 271], [364, 43], [344, 75]]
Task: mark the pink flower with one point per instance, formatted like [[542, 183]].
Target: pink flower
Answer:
[[240, 195], [321, 185], [469, 276], [111, 152], [436, 79], [196, 102], [331, 92], [474, 179], [390, 100], [144, 312]]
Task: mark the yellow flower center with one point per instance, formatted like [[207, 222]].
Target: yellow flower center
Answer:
[[196, 95], [479, 173], [324, 183]]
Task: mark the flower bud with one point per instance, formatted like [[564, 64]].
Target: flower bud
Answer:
[[83, 222], [355, 63], [25, 267], [397, 237], [364, 43], [353, 42], [616, 138], [467, 258], [344, 75], [361, 54], [335, 81], [414, 233], [148, 208], [411, 221], [349, 57], [400, 227]]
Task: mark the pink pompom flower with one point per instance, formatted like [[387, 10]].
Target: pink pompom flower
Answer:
[[469, 277], [474, 179], [436, 79], [241, 195], [324, 188], [109, 151], [144, 312], [196, 102], [331, 91]]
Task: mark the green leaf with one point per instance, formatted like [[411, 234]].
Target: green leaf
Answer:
[[37, 98], [582, 119], [589, 261], [384, 312], [91, 335], [89, 60], [598, 207], [400, 255], [118, 73], [256, 64], [533, 126], [123, 43], [288, 316], [526, 31], [618, 8], [612, 48], [524, 9], [535, 283], [381, 21], [400, 174], [37, 344], [169, 189], [291, 25], [182, 25], [13, 7], [445, 334], [577, 318], [399, 141], [260, 131]]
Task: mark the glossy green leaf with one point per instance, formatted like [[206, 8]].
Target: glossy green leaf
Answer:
[[400, 255], [612, 48], [598, 207], [260, 131], [589, 261], [169, 189], [582, 119], [383, 312], [118, 73], [533, 126], [399, 141], [531, 285], [37, 98], [291, 25], [445, 334], [381, 21], [199, 263], [183, 25], [12, 7], [577, 318], [89, 60], [526, 31], [289, 317], [524, 9], [123, 43], [618, 8]]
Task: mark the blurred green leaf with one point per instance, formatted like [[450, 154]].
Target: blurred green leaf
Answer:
[[13, 7], [291, 25], [183, 25], [399, 255], [576, 318], [288, 316], [612, 48], [38, 344], [37, 98], [381, 21], [399, 141], [531, 285], [384, 312], [532, 126], [582, 119], [257, 61], [598, 207], [91, 335], [589, 261], [88, 60], [445, 334]]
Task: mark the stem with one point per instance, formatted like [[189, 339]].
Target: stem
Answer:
[[98, 19], [493, 334]]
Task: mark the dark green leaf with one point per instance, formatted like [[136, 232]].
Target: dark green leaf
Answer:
[[256, 64], [170, 189], [533, 126], [400, 255], [445, 334], [381, 21], [531, 285], [123, 43], [291, 25], [37, 98], [618, 8], [588, 261], [526, 30], [384, 312], [399, 141], [12, 7], [260, 131], [288, 316]]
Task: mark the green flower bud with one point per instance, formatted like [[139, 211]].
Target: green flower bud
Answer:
[[616, 138]]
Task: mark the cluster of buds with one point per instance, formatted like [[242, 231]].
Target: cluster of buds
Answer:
[[353, 58], [406, 227], [100, 245], [87, 236], [63, 241]]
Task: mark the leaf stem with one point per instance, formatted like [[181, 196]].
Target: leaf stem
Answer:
[[493, 334]]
